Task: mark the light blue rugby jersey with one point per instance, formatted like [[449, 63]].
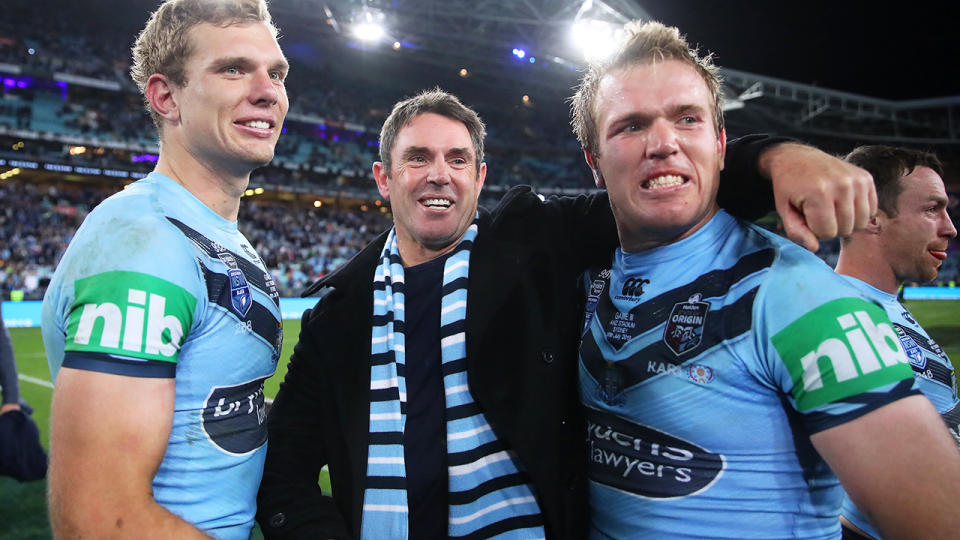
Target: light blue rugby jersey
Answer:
[[931, 367], [705, 366], [156, 284]]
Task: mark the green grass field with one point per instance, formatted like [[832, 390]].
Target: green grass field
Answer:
[[23, 513]]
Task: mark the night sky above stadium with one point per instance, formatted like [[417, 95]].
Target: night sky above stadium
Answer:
[[850, 45], [906, 52]]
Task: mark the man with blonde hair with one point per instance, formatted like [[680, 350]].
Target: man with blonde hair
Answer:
[[161, 322], [723, 391]]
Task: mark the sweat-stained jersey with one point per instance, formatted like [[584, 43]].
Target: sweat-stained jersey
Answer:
[[705, 366], [931, 367], [156, 284]]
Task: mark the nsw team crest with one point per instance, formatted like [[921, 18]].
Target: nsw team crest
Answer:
[[912, 349], [684, 329], [239, 293]]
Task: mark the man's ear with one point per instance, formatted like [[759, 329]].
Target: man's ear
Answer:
[[597, 174], [722, 146], [877, 223], [159, 93], [380, 175], [481, 176]]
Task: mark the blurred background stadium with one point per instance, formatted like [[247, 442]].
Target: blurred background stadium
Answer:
[[73, 130]]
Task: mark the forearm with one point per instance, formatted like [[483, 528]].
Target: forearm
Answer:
[[745, 187], [86, 515], [875, 458]]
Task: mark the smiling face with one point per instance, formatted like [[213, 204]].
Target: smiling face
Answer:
[[433, 186], [915, 241], [660, 153], [232, 107]]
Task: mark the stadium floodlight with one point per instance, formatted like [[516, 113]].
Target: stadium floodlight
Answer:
[[596, 38], [369, 26], [519, 53], [596, 29]]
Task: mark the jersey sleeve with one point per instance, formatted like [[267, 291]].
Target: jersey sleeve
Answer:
[[129, 297], [833, 353]]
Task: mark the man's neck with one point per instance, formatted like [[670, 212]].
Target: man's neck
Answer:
[[869, 268], [412, 254], [639, 240], [219, 190]]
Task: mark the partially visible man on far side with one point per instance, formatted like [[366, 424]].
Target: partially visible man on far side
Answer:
[[906, 241], [728, 373], [161, 322]]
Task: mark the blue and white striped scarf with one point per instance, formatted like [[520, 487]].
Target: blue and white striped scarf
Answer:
[[488, 494]]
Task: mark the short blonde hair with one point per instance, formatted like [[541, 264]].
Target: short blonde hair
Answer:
[[642, 43], [162, 47]]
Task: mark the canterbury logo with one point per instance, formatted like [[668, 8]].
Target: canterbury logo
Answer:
[[860, 332], [143, 325], [633, 286]]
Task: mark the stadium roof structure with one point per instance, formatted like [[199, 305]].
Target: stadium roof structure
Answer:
[[438, 38], [479, 35]]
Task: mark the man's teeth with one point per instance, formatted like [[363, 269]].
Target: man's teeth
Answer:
[[667, 180], [259, 124], [443, 203]]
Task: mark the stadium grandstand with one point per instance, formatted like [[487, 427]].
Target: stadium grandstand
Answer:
[[73, 129]]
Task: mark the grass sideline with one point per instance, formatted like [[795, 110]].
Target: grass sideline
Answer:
[[23, 507]]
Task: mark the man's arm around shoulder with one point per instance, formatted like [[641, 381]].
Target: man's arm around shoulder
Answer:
[[108, 436]]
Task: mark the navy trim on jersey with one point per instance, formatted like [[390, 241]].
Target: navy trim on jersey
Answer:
[[951, 417], [710, 285], [721, 325], [253, 273], [818, 421], [939, 372], [131, 367], [921, 340], [262, 321]]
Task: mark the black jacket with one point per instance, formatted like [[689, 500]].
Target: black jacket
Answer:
[[524, 312]]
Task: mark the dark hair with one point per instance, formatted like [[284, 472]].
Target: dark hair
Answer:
[[888, 165], [434, 101]]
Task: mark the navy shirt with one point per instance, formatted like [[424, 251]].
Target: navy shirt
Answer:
[[425, 433]]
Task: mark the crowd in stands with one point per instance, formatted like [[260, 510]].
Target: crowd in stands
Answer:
[[329, 143], [331, 132], [298, 243], [303, 245]]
